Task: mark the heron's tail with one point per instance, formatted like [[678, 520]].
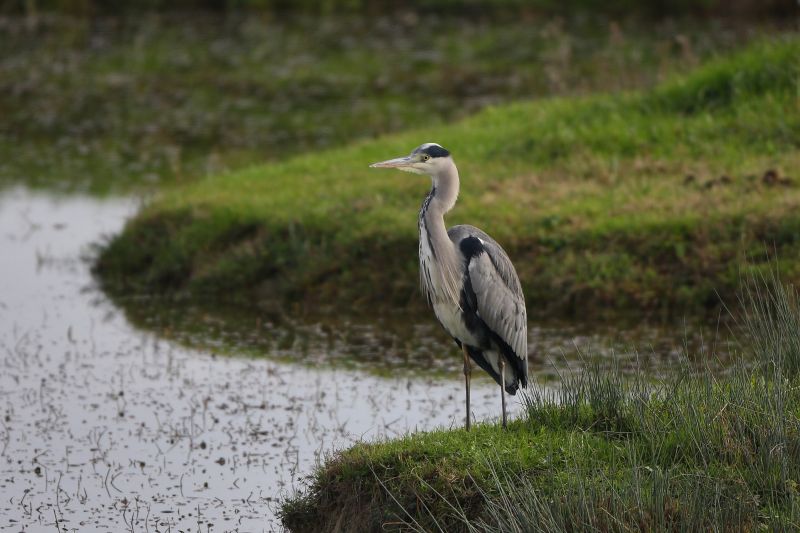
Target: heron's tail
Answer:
[[489, 361]]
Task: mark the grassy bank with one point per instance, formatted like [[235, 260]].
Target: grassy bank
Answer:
[[600, 453], [642, 200], [122, 103]]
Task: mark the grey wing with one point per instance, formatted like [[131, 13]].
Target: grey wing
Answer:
[[498, 293]]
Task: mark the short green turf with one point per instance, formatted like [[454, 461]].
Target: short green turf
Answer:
[[652, 200]]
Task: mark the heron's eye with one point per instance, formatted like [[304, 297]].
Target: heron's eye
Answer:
[[425, 157]]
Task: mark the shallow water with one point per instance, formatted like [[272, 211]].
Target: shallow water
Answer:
[[398, 341], [106, 426]]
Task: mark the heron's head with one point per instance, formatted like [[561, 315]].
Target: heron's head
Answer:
[[428, 158]]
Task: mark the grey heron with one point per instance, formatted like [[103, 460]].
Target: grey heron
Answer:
[[468, 280]]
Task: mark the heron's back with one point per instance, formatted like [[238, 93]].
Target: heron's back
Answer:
[[492, 306]]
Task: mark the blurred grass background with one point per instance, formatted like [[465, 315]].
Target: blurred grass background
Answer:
[[108, 96]]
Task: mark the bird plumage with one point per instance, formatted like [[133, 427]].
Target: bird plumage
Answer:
[[440, 269], [468, 278], [493, 294]]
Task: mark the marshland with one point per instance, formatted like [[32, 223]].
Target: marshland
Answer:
[[210, 309]]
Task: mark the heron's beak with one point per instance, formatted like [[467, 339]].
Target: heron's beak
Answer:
[[399, 162]]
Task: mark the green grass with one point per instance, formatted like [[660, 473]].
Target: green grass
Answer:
[[589, 195], [601, 452], [121, 104]]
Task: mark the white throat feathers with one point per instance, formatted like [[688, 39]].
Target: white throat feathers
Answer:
[[440, 272]]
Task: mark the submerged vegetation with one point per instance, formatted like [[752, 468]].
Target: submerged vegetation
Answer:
[[602, 452], [646, 199]]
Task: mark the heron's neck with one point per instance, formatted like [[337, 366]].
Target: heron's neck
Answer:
[[434, 240], [445, 188], [440, 200]]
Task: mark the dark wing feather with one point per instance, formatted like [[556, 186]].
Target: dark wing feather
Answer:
[[499, 299]]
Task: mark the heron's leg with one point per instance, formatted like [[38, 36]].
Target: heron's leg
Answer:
[[503, 387], [467, 376]]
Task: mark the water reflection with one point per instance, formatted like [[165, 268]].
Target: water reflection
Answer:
[[410, 342]]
